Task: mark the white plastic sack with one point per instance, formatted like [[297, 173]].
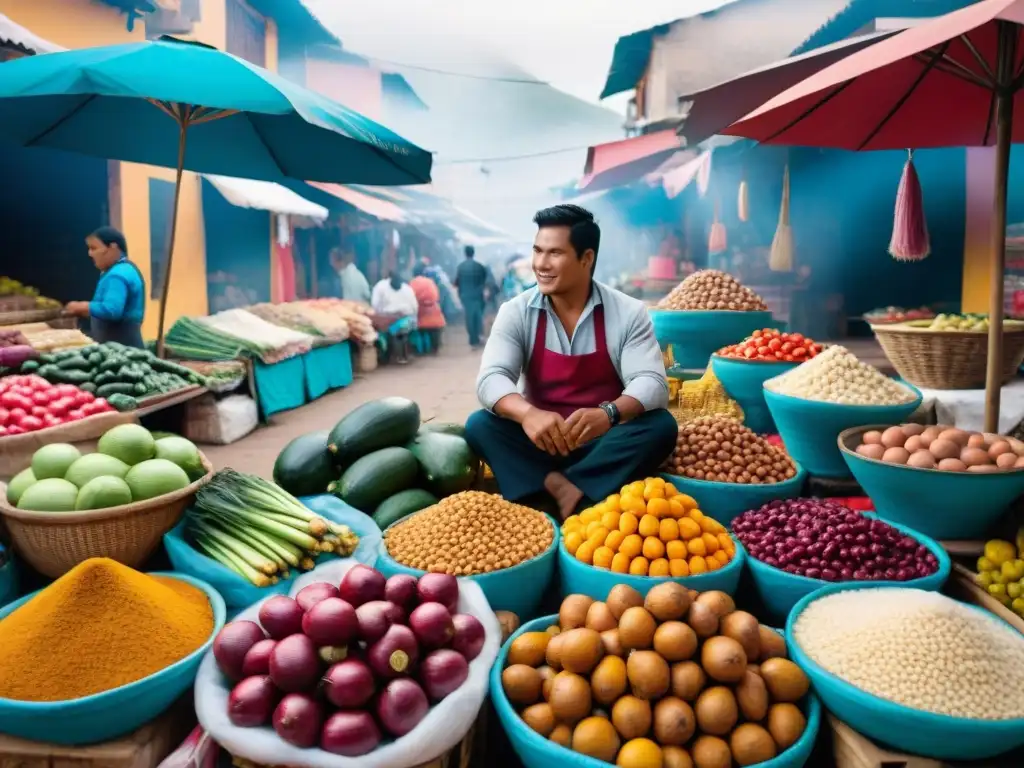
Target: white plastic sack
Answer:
[[221, 422], [444, 726]]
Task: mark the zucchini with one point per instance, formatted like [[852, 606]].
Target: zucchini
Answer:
[[116, 388], [304, 466], [75, 362], [447, 463], [402, 504], [375, 477], [385, 423]]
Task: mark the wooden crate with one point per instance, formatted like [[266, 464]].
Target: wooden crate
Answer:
[[961, 585], [145, 748]]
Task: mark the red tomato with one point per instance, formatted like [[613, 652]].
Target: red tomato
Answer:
[[16, 415], [61, 405], [748, 352], [774, 345], [85, 397], [799, 352], [103, 405], [75, 415], [39, 410], [23, 391], [5, 416], [14, 429], [31, 423], [51, 421], [67, 390], [42, 397], [37, 382]]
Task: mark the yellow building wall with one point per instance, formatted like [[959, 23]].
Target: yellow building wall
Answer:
[[73, 23]]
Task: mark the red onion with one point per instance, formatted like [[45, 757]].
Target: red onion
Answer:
[[401, 706], [361, 585], [350, 734], [252, 701], [330, 622], [440, 588], [349, 684], [312, 594], [281, 616], [469, 635], [432, 625], [401, 590], [374, 619], [257, 660], [294, 665], [297, 720], [442, 672], [233, 643], [394, 654]]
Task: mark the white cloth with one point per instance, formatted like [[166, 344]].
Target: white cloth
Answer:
[[387, 301], [965, 408]]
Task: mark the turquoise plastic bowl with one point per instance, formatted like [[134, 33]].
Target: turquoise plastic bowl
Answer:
[[908, 730], [780, 591], [809, 428], [944, 505], [725, 501], [581, 579], [696, 335], [537, 752], [743, 381], [105, 716], [519, 589]]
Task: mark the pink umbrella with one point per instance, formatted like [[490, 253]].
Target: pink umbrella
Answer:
[[951, 81]]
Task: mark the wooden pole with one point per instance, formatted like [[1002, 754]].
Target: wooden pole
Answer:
[[1007, 55], [184, 117]]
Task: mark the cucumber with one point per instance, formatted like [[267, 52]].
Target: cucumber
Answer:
[[122, 402], [402, 504], [75, 362], [30, 366], [71, 376], [304, 467], [446, 462], [87, 386], [117, 388], [385, 423], [375, 477]]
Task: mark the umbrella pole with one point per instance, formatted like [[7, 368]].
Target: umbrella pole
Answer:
[[165, 288], [1004, 134]]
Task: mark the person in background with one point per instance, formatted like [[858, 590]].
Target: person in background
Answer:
[[591, 415], [430, 318], [119, 302], [492, 299], [354, 286], [450, 305], [395, 303], [516, 281], [471, 282]]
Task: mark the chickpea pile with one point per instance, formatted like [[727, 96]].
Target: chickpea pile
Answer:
[[469, 533], [721, 450], [712, 289]]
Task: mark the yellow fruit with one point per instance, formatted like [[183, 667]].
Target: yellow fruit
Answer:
[[668, 530], [676, 550], [573, 521], [707, 525], [710, 542], [676, 508], [725, 542], [688, 529], [688, 502], [678, 568], [638, 566], [1018, 606], [591, 527], [612, 502], [653, 548], [654, 492], [634, 504], [614, 540], [628, 523], [631, 545], [984, 564], [670, 491], [659, 508], [997, 590], [636, 488], [696, 547], [984, 579], [597, 535], [610, 520], [697, 565], [603, 557], [712, 563], [649, 525], [1013, 570], [620, 563], [590, 515], [696, 515], [659, 567], [585, 552], [722, 557], [999, 551], [572, 542], [1014, 590]]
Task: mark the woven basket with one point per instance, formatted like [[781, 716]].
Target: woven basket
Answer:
[[365, 357], [947, 359], [55, 542]]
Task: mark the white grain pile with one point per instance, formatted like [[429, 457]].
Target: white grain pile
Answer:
[[837, 376], [919, 649]]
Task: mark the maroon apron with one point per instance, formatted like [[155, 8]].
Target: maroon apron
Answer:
[[566, 383]]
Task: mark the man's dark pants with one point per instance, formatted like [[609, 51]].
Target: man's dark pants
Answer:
[[474, 309], [627, 452]]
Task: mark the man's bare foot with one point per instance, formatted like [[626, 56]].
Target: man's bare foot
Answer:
[[565, 493]]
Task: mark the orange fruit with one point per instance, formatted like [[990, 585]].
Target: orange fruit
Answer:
[[722, 557], [636, 488], [573, 541], [697, 565], [653, 548], [688, 529], [695, 547], [591, 527], [610, 520], [634, 504], [588, 516], [639, 753], [628, 523], [603, 557], [670, 491], [711, 563], [613, 502], [659, 508], [585, 552], [725, 542], [678, 568], [638, 566], [620, 563], [668, 530], [707, 525], [649, 525], [688, 502], [614, 540], [695, 514], [710, 542], [631, 545], [653, 491], [676, 508], [597, 535], [659, 567], [676, 550], [573, 521]]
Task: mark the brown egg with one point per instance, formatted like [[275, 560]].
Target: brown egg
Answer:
[[600, 618], [912, 429], [957, 436], [998, 449], [1020, 462], [922, 459], [872, 437], [931, 433], [915, 444], [893, 437], [977, 441], [952, 465], [944, 449], [896, 455], [983, 469], [1006, 460], [974, 457], [1017, 445], [871, 451]]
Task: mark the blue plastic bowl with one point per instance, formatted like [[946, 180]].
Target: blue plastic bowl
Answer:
[[944, 505], [696, 335], [780, 591], [743, 381], [105, 716], [519, 589], [809, 428], [908, 730], [537, 752], [725, 501], [581, 579]]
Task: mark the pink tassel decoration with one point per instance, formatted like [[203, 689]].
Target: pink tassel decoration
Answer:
[[910, 240]]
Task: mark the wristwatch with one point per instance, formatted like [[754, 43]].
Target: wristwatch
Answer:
[[613, 412]]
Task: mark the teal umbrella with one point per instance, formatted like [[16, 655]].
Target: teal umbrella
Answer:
[[186, 105]]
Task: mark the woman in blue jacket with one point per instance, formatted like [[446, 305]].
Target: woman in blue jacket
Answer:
[[119, 303]]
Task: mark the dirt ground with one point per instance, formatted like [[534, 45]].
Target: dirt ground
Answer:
[[444, 387]]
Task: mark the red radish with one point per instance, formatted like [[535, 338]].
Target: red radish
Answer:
[[442, 672], [297, 720], [294, 665], [233, 643], [432, 625], [401, 706], [311, 595], [330, 622], [401, 590], [361, 584], [469, 635], [350, 734], [440, 588], [349, 684], [394, 654], [374, 619], [252, 702], [257, 660], [281, 616]]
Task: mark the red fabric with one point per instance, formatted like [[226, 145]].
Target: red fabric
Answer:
[[846, 104], [429, 298], [856, 503], [566, 383], [285, 274]]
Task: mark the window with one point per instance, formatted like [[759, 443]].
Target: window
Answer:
[[246, 32], [161, 204]]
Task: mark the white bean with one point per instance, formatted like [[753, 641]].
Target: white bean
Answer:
[[837, 376]]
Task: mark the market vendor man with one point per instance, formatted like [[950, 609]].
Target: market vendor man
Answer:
[[572, 379], [119, 302]]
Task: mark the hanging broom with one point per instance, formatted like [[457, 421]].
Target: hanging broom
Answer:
[[781, 259], [716, 240], [743, 204], [910, 240]]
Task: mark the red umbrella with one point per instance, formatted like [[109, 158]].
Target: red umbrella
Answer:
[[951, 81]]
